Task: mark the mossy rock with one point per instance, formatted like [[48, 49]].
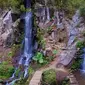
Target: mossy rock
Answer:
[[49, 77]]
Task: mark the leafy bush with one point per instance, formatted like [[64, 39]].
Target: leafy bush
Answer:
[[22, 8], [40, 37], [78, 61], [82, 11], [65, 81], [49, 77], [76, 64], [30, 70], [6, 71], [39, 58], [80, 44], [10, 54]]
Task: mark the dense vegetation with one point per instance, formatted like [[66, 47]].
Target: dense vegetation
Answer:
[[49, 77], [67, 5]]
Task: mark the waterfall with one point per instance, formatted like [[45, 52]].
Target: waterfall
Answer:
[[83, 64], [60, 16], [58, 20], [72, 27], [26, 55], [48, 14], [27, 52]]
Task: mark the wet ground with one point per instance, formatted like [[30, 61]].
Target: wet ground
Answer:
[[80, 77]]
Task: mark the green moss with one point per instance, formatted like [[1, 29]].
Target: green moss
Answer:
[[49, 77]]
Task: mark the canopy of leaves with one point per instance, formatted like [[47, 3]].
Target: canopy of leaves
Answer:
[[14, 4]]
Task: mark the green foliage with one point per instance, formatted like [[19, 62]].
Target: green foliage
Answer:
[[77, 62], [65, 81], [22, 8], [15, 48], [55, 52], [4, 63], [30, 70], [14, 3], [10, 3], [10, 54], [40, 38], [50, 58], [82, 10], [21, 82], [49, 29], [17, 72], [80, 44], [6, 71], [49, 77], [69, 6], [28, 10], [39, 58]]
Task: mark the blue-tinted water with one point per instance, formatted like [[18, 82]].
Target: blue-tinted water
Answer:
[[26, 55]]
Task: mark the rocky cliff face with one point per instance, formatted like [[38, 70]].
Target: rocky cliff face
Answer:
[[7, 29]]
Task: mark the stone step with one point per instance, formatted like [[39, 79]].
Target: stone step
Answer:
[[73, 80]]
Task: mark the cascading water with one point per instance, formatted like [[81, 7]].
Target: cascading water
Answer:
[[48, 14], [59, 16], [83, 64], [27, 52], [72, 31]]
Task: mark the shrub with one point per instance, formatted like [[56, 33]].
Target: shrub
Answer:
[[40, 38], [39, 58], [30, 70], [76, 64], [82, 10], [6, 71], [49, 77], [22, 8], [65, 81], [80, 44], [78, 61]]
